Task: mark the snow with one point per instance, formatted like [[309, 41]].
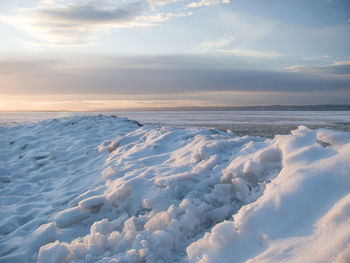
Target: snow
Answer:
[[303, 214], [104, 189]]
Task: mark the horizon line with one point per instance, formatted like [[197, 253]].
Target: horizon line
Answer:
[[274, 107]]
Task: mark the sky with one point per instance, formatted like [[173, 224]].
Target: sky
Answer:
[[117, 54]]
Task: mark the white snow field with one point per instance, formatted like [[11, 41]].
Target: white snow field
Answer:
[[104, 189]]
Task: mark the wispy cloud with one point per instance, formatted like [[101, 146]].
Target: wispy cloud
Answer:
[[221, 45], [296, 68], [337, 68], [251, 53], [243, 31], [79, 22], [206, 3], [215, 44], [246, 28], [161, 2], [341, 63]]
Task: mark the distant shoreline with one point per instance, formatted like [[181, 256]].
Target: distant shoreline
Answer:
[[321, 107], [250, 108]]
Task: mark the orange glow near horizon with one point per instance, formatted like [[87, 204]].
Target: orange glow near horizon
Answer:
[[111, 102], [97, 102], [88, 103]]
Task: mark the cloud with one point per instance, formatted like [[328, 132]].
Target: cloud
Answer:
[[338, 68], [242, 32], [79, 22], [89, 12], [206, 3], [341, 63], [251, 53], [154, 75], [161, 2], [218, 43], [296, 68]]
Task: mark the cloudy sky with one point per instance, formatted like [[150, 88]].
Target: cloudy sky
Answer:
[[111, 54]]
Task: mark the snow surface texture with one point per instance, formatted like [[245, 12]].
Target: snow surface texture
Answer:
[[103, 189]]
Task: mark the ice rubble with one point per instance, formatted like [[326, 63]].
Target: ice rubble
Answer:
[[103, 189]]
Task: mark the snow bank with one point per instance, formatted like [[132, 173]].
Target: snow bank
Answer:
[[303, 215], [103, 189]]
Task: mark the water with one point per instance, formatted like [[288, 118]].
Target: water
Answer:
[[256, 123]]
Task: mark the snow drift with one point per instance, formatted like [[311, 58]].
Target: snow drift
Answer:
[[104, 189]]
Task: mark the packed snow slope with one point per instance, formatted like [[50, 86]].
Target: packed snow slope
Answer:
[[105, 189]]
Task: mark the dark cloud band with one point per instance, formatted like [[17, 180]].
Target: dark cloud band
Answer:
[[155, 75]]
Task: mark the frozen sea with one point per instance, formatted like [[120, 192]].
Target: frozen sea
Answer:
[[105, 189], [254, 123]]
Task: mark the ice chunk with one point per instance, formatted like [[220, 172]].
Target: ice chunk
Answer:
[[44, 234], [92, 204], [53, 253], [70, 217], [160, 221], [103, 227]]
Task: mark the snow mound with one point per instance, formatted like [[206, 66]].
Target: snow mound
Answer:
[[103, 189], [303, 215]]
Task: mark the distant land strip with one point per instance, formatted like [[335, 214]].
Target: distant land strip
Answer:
[[324, 107], [321, 107]]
